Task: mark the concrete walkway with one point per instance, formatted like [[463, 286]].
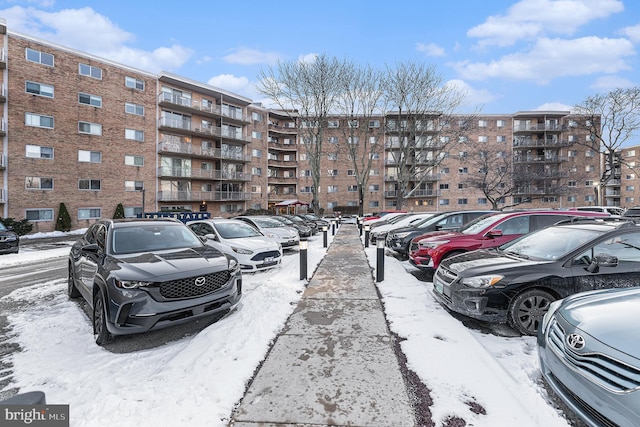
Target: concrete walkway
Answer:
[[333, 363]]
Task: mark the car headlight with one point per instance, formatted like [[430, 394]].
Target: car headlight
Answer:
[[432, 244], [233, 264], [241, 251], [546, 320], [131, 284], [482, 281], [400, 235]]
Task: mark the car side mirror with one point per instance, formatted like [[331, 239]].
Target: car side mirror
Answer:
[[602, 260], [211, 236], [437, 228], [91, 247], [494, 233]]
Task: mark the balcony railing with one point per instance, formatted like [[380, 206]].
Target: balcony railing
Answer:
[[164, 171], [187, 125], [216, 196], [187, 148], [415, 194], [539, 127]]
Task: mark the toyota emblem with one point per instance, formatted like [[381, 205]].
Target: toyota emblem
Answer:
[[200, 281], [575, 341]]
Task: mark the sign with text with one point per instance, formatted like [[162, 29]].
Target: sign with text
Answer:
[[182, 216], [34, 415]]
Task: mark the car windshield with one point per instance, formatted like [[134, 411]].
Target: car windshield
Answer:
[[152, 237], [2, 227], [267, 222], [549, 243], [236, 230], [477, 225], [425, 222]]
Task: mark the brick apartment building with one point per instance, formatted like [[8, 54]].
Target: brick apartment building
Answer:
[[90, 133]]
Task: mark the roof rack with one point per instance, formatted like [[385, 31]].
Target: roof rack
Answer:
[[615, 219]]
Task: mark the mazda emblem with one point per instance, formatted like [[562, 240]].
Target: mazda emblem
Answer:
[[575, 341], [200, 281]]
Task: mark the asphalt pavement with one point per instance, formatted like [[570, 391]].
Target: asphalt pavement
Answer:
[[334, 362]]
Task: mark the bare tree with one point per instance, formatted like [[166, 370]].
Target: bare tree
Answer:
[[420, 128], [611, 120], [309, 90], [363, 133]]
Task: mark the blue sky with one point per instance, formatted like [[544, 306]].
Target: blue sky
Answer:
[[507, 55]]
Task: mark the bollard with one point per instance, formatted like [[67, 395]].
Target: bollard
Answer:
[[324, 236], [360, 226], [380, 260], [367, 228], [333, 227], [304, 244]]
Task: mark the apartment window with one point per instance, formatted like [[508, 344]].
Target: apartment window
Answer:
[[482, 201], [463, 139], [206, 166], [351, 172], [305, 173], [333, 124], [590, 168], [133, 160], [462, 201], [572, 184], [90, 128], [332, 156], [332, 189], [39, 152], [463, 154], [89, 70], [630, 200], [501, 138], [332, 172], [501, 123], [257, 117], [38, 183], [463, 170], [256, 189], [374, 123], [133, 186], [39, 57], [572, 138], [256, 153], [39, 121], [444, 170], [590, 153], [589, 198], [572, 199], [631, 153], [373, 140], [588, 183], [444, 202], [256, 135], [444, 186], [89, 156], [374, 204], [353, 140], [89, 213], [132, 211], [306, 189], [572, 153], [333, 140], [303, 156], [38, 215], [374, 187], [630, 188], [136, 135], [39, 89], [256, 171], [573, 124], [374, 172], [352, 188], [136, 109], [354, 124], [87, 99], [89, 184], [462, 186], [631, 176], [483, 123], [133, 83]]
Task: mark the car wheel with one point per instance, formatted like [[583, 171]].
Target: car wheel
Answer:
[[71, 285], [451, 254], [527, 310], [100, 332]]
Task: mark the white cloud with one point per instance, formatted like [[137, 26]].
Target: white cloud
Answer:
[[632, 32], [430, 49], [246, 56], [609, 83], [551, 58], [474, 98], [86, 30], [308, 57], [553, 106], [240, 85], [532, 18]]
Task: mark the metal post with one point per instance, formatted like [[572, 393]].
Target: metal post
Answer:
[[367, 228], [304, 244], [333, 227], [380, 260], [360, 226], [324, 236]]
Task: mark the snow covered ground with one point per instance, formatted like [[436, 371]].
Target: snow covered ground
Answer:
[[197, 380]]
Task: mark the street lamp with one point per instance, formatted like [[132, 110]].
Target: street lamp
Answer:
[[596, 188]]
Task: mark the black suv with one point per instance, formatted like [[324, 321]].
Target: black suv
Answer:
[[142, 274], [399, 239], [9, 241], [516, 282]]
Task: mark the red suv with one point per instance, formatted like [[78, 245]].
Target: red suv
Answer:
[[488, 231]]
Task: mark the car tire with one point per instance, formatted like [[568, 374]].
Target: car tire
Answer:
[[71, 285], [451, 254], [101, 334], [527, 310]]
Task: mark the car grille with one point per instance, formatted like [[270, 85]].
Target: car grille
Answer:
[[599, 368], [413, 246], [263, 255], [445, 275], [187, 288], [584, 406]]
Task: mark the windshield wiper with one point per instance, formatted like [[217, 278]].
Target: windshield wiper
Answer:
[[517, 254]]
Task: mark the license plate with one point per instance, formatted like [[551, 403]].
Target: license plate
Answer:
[[438, 287], [268, 259]]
